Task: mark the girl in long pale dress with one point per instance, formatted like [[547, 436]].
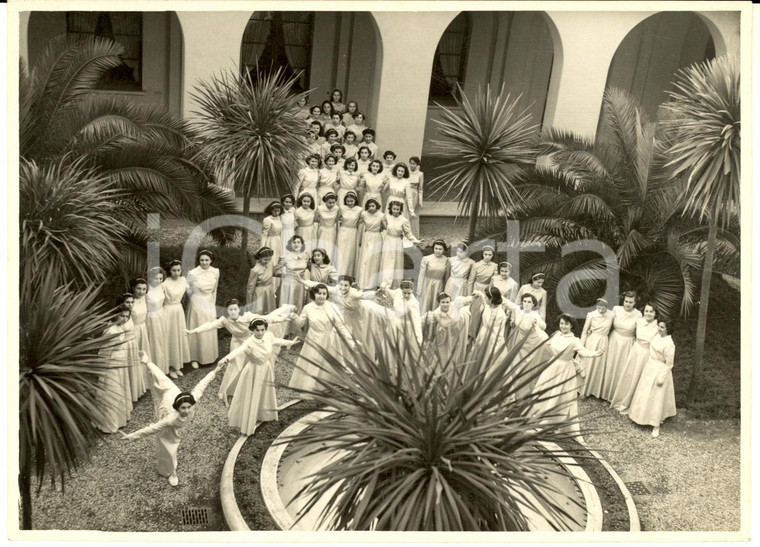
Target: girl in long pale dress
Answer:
[[154, 301], [175, 409], [374, 183], [364, 161], [399, 191], [622, 338], [493, 320], [536, 288], [294, 263], [255, 399], [433, 271], [480, 277], [352, 107], [654, 399], [132, 334], [447, 327], [371, 246], [401, 323], [140, 320], [530, 327], [348, 179], [114, 395], [327, 220], [326, 330], [203, 281], [177, 349], [308, 177], [351, 150], [337, 102], [351, 304], [558, 383], [460, 265], [306, 216], [260, 291], [646, 329], [237, 325], [502, 281], [287, 219], [347, 242], [271, 229], [396, 229], [416, 180], [328, 177], [595, 335], [320, 268]]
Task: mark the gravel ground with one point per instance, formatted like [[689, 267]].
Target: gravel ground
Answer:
[[692, 469]]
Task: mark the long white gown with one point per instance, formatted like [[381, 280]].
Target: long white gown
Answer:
[[202, 309]]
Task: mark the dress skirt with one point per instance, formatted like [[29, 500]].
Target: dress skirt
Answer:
[[618, 349], [232, 372], [345, 249], [114, 398], [392, 261], [457, 286], [561, 400], [326, 236], [177, 348], [204, 347], [596, 372], [652, 404], [629, 378], [309, 235], [255, 399], [292, 292], [263, 299], [370, 255], [135, 370], [157, 337]]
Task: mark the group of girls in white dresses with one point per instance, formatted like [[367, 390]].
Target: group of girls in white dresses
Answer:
[[635, 375]]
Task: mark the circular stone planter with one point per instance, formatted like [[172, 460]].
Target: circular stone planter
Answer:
[[285, 470]]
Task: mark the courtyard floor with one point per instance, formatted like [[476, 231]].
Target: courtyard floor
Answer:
[[691, 471]]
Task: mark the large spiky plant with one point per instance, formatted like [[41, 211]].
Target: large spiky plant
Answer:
[[60, 394], [147, 153], [68, 216], [429, 443], [706, 110], [250, 130], [616, 190], [488, 143]]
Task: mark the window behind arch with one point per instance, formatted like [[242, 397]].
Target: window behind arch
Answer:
[[274, 39], [123, 27], [450, 61]]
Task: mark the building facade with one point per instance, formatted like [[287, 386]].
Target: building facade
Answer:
[[402, 67]]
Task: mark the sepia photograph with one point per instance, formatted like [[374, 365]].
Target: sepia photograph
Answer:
[[315, 271]]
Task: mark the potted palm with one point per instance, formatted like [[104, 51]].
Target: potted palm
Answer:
[[250, 130], [419, 441]]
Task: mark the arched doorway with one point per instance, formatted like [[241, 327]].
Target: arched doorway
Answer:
[[513, 49], [653, 51]]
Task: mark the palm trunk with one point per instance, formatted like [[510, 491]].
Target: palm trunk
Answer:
[[704, 296], [25, 490], [473, 223], [244, 236]]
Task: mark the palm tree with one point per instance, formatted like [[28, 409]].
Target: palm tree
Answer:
[[427, 443], [68, 220], [147, 154], [59, 371], [616, 190], [489, 143], [250, 129], [706, 113]]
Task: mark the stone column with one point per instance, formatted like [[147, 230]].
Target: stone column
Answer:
[[212, 43], [407, 42]]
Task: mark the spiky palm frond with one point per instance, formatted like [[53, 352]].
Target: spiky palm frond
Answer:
[[489, 142], [59, 374], [67, 70], [706, 113], [431, 444], [252, 129], [69, 220]]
